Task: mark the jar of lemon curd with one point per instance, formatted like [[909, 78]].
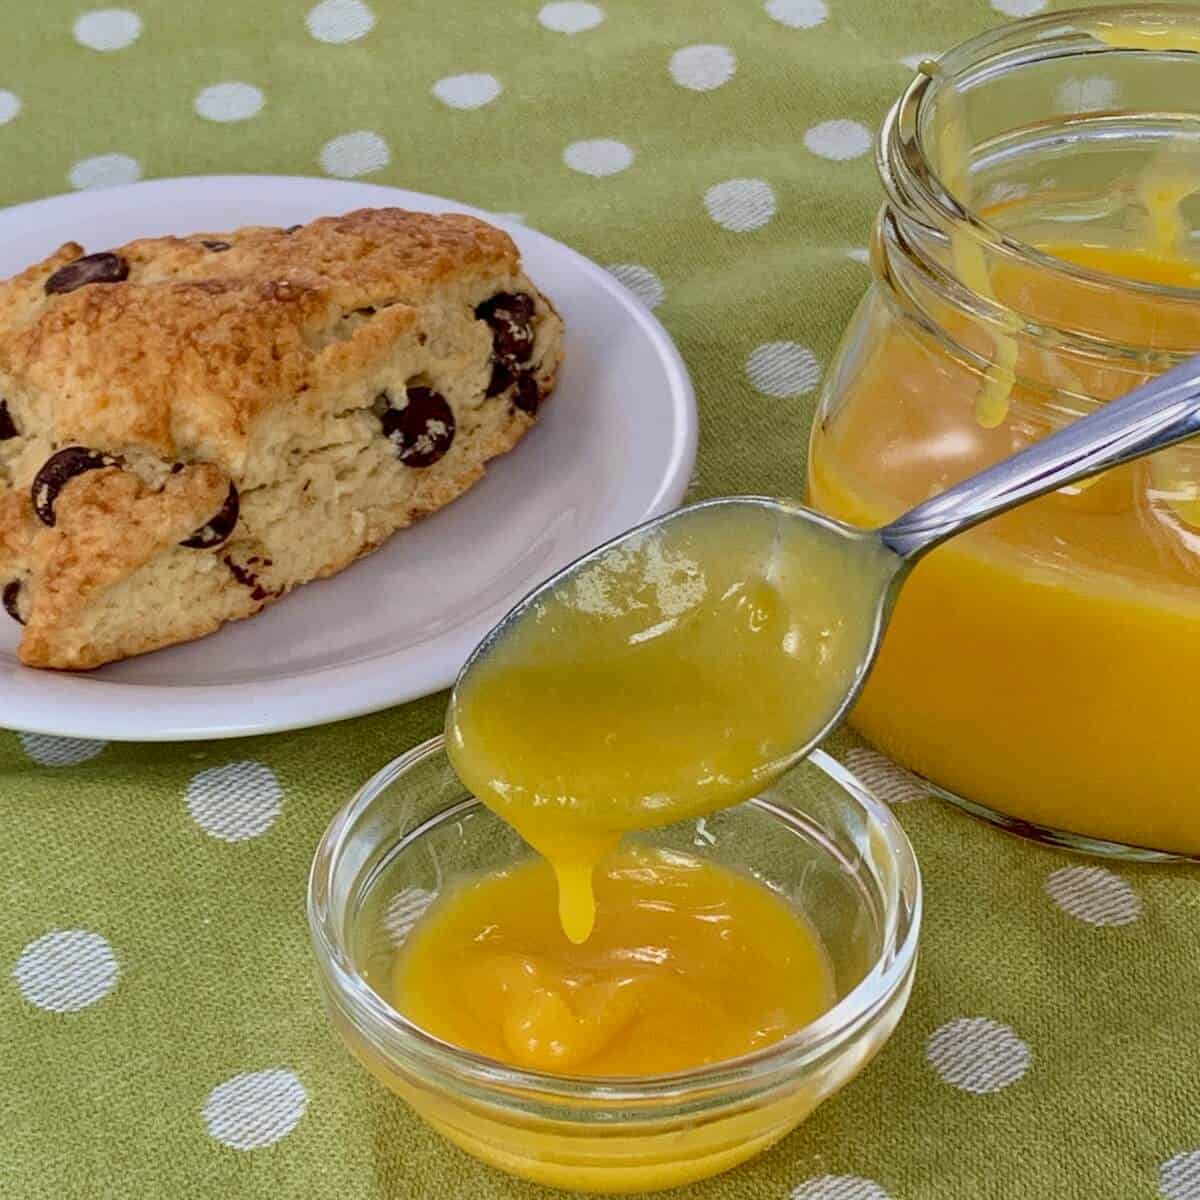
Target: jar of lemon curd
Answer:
[[1038, 254]]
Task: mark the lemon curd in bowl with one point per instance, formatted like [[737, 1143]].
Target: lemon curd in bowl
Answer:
[[1036, 256], [581, 1081]]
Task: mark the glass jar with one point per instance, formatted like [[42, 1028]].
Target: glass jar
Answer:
[[1035, 257], [816, 837]]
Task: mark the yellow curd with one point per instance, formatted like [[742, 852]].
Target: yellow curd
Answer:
[[670, 678], [1035, 666], [673, 676], [676, 676], [689, 963]]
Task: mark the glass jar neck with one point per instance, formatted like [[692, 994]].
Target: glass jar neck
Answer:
[[1043, 185]]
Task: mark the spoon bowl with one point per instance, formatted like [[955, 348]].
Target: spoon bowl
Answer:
[[677, 670], [771, 530]]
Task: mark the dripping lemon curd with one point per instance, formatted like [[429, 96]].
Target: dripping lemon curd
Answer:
[[671, 677], [676, 675], [689, 963], [1036, 665]]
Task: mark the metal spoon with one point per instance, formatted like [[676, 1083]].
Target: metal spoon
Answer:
[[1152, 417]]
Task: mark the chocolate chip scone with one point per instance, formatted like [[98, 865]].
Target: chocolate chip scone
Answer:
[[191, 427]]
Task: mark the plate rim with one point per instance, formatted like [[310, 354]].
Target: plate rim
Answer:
[[115, 723]]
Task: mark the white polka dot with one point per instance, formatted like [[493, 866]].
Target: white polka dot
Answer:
[[254, 1110], [913, 61], [236, 801], [1019, 8], [340, 21], [838, 140], [66, 970], [105, 170], [570, 16], [799, 14], [886, 779], [783, 369], [229, 102], [353, 154], [10, 105], [602, 156], [1094, 895], [404, 910], [51, 751], [108, 29], [467, 91], [641, 281], [1179, 1177], [976, 1054], [1087, 95], [838, 1187], [740, 205], [860, 254], [702, 68]]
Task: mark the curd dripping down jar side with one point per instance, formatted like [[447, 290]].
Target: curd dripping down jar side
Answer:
[[1035, 256]]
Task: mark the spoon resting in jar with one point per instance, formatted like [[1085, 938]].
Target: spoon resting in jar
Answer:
[[681, 667]]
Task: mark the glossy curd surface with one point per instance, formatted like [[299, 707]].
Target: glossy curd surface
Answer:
[[689, 963], [1035, 666], [675, 675]]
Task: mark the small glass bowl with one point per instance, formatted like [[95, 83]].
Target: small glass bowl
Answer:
[[817, 837]]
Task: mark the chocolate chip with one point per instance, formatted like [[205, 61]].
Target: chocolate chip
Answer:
[[216, 247], [508, 315], [104, 267], [519, 305], [527, 397], [423, 429], [8, 427], [176, 468], [501, 379], [58, 470], [220, 527], [293, 228], [9, 597], [244, 577]]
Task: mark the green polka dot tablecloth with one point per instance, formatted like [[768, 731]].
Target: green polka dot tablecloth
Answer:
[[160, 1029]]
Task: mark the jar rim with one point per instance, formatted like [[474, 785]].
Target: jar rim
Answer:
[[909, 174], [901, 919]]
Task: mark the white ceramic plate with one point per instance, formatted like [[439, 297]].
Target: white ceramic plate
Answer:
[[615, 445]]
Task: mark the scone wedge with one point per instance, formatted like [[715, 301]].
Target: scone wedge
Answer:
[[192, 427]]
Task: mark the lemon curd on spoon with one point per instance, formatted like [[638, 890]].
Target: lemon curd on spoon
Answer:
[[679, 671], [674, 674]]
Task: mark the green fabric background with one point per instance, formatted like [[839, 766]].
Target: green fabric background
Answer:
[[215, 977]]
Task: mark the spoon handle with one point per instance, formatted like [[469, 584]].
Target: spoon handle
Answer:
[[1156, 415]]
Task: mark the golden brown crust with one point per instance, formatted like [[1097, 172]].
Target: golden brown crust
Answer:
[[258, 358], [109, 524], [189, 352]]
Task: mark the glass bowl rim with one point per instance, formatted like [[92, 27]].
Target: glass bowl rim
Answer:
[[889, 969]]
